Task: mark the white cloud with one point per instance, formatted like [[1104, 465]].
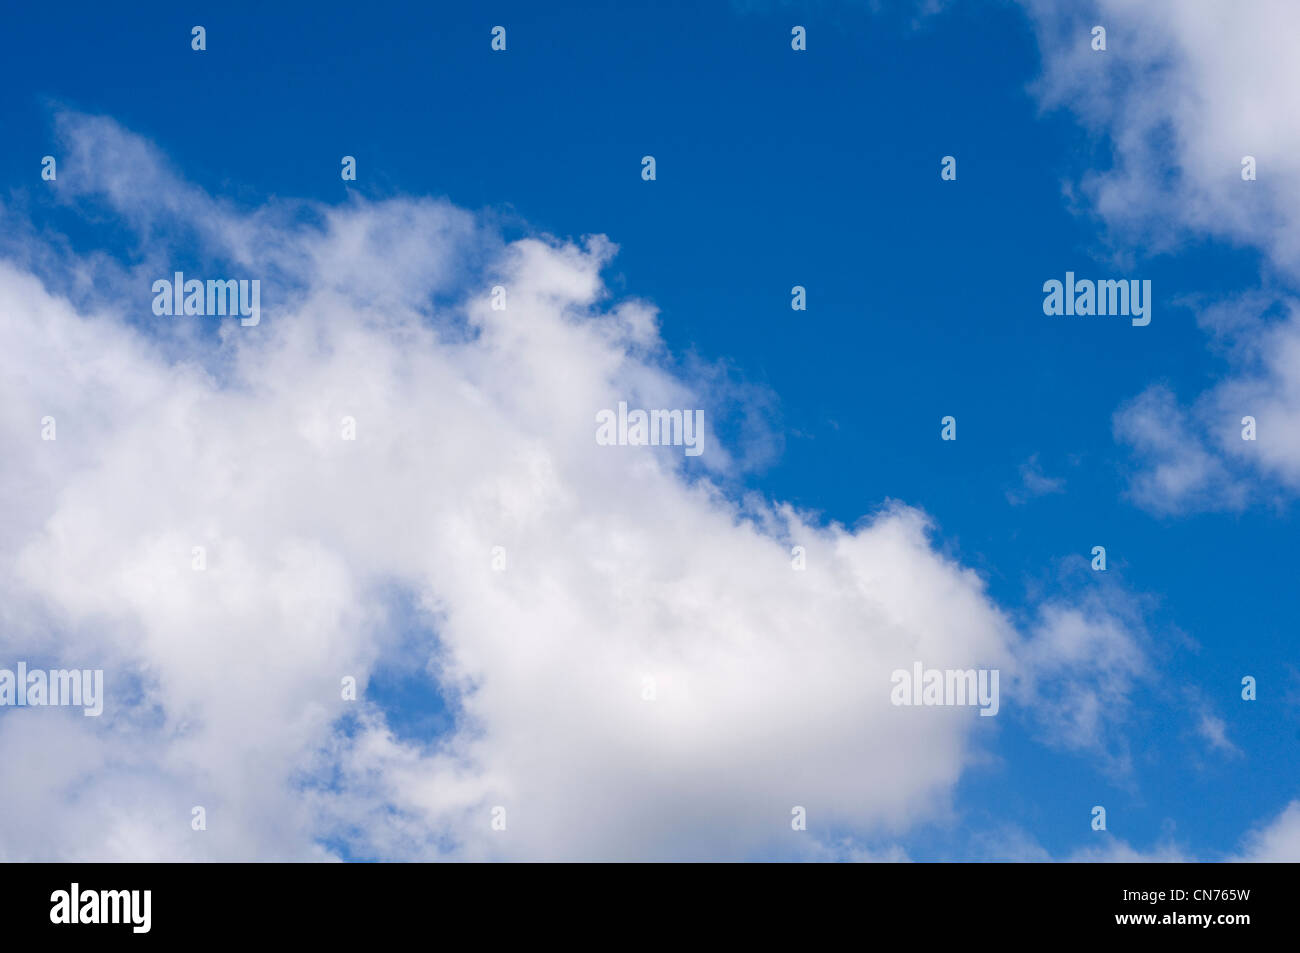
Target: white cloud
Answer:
[[475, 429], [1177, 467], [1080, 667], [1185, 90], [1277, 841]]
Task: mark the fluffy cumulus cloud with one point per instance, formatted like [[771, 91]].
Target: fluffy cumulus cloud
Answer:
[[637, 672], [1186, 91]]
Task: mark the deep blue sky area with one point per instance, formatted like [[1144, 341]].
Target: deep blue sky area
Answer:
[[776, 169]]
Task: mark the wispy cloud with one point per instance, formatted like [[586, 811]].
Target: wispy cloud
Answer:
[[1034, 483], [1182, 99]]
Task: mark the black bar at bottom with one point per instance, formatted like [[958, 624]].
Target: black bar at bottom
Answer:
[[655, 903]]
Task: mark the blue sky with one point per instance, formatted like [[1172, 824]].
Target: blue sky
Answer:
[[776, 169]]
